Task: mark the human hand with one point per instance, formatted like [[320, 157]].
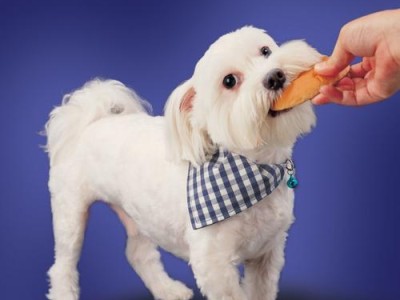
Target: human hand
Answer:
[[375, 38]]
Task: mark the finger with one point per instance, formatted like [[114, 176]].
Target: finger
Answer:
[[384, 80], [340, 97], [361, 95], [320, 99], [332, 93], [346, 92], [349, 98], [345, 84], [366, 92], [339, 60], [335, 95], [361, 69], [359, 92], [334, 65]]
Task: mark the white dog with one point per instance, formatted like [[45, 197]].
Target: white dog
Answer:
[[103, 144]]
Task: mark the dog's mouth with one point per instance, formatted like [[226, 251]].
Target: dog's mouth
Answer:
[[275, 113]]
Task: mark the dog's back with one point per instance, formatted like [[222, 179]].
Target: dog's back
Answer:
[[97, 99]]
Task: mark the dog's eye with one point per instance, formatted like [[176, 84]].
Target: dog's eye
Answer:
[[266, 51], [230, 81]]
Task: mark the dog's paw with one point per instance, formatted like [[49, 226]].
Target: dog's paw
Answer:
[[174, 290]]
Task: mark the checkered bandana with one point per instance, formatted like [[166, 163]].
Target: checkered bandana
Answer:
[[228, 184]]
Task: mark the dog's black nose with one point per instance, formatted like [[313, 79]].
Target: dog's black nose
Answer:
[[274, 80]]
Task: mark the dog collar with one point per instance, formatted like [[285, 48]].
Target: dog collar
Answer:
[[230, 183]]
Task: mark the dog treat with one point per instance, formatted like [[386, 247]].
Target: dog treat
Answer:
[[304, 88]]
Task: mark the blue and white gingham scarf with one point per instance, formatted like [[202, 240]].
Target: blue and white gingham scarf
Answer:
[[228, 184]]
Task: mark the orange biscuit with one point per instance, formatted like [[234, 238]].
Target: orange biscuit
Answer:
[[304, 88]]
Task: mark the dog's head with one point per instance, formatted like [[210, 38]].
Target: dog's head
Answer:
[[227, 101]]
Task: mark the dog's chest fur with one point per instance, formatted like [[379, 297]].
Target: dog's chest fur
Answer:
[[263, 223]]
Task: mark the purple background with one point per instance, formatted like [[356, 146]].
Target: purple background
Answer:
[[346, 240]]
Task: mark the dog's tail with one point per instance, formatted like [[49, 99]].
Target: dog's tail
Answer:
[[97, 99]]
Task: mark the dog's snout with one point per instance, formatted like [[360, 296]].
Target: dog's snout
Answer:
[[274, 80]]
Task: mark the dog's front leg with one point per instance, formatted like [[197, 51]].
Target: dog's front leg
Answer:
[[262, 273], [217, 279], [215, 267]]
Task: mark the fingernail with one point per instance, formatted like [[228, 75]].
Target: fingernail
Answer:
[[322, 89], [317, 100], [320, 66]]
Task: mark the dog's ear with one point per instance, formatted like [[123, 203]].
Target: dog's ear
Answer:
[[186, 104], [185, 140]]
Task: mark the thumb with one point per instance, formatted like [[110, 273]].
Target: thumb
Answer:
[[339, 60]]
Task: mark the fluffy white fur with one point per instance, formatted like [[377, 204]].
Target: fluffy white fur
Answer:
[[103, 145]]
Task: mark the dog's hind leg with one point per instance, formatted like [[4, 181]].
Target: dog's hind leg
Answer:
[[69, 222], [145, 258]]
